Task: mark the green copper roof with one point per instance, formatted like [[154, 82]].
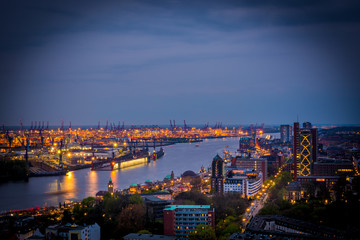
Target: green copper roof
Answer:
[[110, 179], [173, 207], [217, 157], [133, 185], [148, 181], [167, 177]]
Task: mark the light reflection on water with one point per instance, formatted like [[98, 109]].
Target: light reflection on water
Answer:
[[83, 183]]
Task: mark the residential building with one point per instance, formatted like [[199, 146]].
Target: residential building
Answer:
[[180, 220], [244, 181], [73, 231], [328, 180], [155, 204], [293, 192], [285, 133], [333, 167], [289, 228]]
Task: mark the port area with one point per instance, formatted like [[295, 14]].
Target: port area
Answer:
[[46, 151]]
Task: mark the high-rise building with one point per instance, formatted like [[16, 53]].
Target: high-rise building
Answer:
[[304, 149], [285, 133], [217, 175], [180, 220]]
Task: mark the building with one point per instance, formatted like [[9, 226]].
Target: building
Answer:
[[155, 204], [189, 176], [100, 194], [328, 180], [244, 144], [257, 164], [293, 192], [180, 220], [296, 149], [246, 182], [217, 175], [285, 133], [276, 159], [141, 236], [111, 187], [73, 231], [289, 228], [307, 125], [304, 149], [333, 167]]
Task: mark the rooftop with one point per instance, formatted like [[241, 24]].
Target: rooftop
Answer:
[[173, 207], [147, 236]]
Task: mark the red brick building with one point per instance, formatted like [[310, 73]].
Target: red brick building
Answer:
[[180, 220]]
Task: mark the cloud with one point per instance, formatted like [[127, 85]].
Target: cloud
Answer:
[[233, 55]]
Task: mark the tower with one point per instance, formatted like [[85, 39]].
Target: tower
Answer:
[[111, 187], [304, 149], [217, 175]]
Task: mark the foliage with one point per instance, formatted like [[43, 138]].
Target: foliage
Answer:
[[136, 199], [315, 209], [228, 226], [88, 202], [191, 197], [131, 218], [203, 232], [229, 204]]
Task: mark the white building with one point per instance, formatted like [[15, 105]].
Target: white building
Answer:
[[248, 183], [69, 232]]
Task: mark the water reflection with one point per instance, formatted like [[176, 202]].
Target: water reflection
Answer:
[[93, 182], [83, 183]]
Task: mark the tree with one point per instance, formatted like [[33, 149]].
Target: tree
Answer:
[[131, 218], [191, 197], [203, 232], [88, 202], [136, 199]]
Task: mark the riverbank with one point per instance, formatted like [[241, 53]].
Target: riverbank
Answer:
[[82, 183]]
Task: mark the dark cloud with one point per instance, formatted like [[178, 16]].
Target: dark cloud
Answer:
[[87, 60]]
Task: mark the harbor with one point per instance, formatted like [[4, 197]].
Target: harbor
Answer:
[[76, 185]]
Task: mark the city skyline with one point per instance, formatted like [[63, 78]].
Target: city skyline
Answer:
[[145, 62]]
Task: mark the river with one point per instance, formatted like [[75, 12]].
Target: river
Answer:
[[49, 191]]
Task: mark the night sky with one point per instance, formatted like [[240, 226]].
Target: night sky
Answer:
[[145, 62]]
